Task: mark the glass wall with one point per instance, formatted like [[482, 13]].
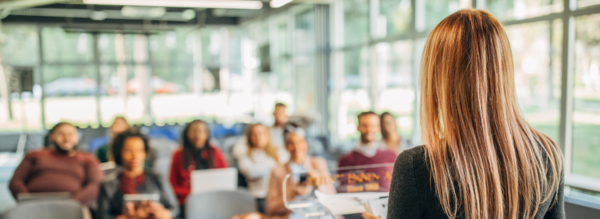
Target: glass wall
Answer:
[[586, 97], [379, 71], [19, 111], [88, 79]]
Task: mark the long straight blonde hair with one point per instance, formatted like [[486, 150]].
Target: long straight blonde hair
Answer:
[[486, 161]]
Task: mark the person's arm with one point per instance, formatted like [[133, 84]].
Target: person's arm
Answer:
[[274, 205], [557, 207], [327, 186], [17, 183], [218, 158], [175, 177], [254, 169], [404, 200], [89, 191]]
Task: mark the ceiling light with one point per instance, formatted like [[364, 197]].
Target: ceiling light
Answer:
[[279, 3], [188, 14], [98, 15], [182, 3]]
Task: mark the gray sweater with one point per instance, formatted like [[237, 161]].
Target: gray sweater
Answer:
[[412, 192]]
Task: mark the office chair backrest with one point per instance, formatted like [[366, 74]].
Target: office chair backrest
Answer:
[[48, 209], [219, 204]]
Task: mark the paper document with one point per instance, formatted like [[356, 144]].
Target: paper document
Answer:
[[347, 203], [377, 207]]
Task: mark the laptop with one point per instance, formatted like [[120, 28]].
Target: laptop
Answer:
[[24, 197], [222, 179]]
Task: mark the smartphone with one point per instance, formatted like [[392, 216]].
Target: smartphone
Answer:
[[303, 177]]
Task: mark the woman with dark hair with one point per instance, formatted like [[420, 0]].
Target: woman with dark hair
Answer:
[[195, 154], [59, 168], [129, 151], [389, 131]]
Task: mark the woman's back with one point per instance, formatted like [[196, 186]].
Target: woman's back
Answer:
[[483, 159], [412, 192]]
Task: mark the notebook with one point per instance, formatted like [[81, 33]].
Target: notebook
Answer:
[[223, 179]]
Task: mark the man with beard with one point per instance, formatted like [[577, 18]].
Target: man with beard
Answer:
[[59, 168], [368, 151]]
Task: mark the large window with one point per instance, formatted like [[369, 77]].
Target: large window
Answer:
[[19, 111], [536, 55], [586, 97], [377, 68], [89, 78]]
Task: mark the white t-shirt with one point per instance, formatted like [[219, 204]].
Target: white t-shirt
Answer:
[[256, 167]]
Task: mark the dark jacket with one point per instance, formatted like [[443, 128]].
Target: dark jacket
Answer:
[[110, 200], [412, 192]]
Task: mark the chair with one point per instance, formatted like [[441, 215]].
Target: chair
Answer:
[[219, 204], [96, 143], [48, 209]]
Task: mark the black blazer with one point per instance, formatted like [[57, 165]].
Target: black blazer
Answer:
[[110, 199], [412, 192]]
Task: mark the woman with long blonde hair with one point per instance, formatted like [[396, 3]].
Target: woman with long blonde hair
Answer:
[[481, 159], [256, 164]]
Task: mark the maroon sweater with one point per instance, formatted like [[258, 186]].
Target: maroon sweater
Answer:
[[46, 171], [357, 159]]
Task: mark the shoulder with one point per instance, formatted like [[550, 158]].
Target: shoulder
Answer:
[[87, 157], [112, 176], [279, 170], [348, 156], [177, 152], [411, 158], [215, 149], [386, 153], [37, 153]]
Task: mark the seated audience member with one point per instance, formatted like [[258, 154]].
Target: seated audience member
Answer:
[[59, 168], [129, 151], [276, 134], [104, 152], [390, 138], [195, 154], [256, 164], [299, 164], [368, 152], [281, 118]]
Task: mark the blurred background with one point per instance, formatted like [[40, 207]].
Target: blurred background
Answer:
[[161, 64]]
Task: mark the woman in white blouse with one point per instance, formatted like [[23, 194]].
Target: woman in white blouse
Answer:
[[256, 164]]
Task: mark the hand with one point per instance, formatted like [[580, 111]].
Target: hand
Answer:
[[250, 216], [141, 212], [159, 211], [366, 215]]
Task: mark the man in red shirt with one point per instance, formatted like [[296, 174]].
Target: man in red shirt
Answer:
[[368, 151], [59, 168]]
